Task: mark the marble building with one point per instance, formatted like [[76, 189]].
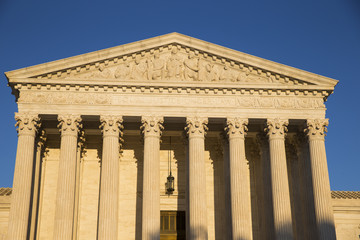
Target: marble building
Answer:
[[173, 138]]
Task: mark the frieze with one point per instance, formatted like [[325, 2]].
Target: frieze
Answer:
[[247, 101], [173, 63]]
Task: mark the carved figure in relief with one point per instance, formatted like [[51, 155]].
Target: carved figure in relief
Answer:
[[227, 75], [156, 68], [123, 71], [102, 73], [139, 69], [191, 68], [207, 72], [174, 66]]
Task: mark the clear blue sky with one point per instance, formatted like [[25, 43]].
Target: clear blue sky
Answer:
[[320, 36]]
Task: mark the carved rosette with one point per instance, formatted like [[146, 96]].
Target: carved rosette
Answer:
[[276, 128], [69, 124], [111, 125], [196, 126], [27, 123], [316, 128], [152, 126], [236, 127]]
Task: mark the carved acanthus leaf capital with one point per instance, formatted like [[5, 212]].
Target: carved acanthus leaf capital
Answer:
[[27, 123], [196, 126], [111, 125], [236, 127], [152, 126], [316, 128], [69, 124], [276, 128]]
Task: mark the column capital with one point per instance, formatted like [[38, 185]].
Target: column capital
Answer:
[[69, 124], [111, 125], [316, 128], [152, 126], [27, 123], [276, 128], [236, 127], [196, 126]]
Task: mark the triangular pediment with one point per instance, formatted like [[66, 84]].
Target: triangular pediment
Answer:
[[172, 58]]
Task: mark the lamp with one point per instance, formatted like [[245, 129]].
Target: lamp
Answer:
[[170, 179]]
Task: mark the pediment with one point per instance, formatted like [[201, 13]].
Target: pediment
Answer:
[[172, 58]]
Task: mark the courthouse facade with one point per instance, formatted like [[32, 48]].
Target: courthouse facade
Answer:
[[170, 137]]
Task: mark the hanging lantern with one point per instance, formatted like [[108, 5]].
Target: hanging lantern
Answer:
[[170, 184], [170, 179]]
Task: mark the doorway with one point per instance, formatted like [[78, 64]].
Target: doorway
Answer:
[[172, 225]]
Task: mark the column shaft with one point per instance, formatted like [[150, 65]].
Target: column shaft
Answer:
[[36, 187], [64, 212], [152, 127], [197, 179], [109, 184], [239, 181], [306, 189], [21, 194], [279, 180], [264, 191], [321, 184]]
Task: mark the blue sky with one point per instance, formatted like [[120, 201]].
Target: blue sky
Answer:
[[321, 36]]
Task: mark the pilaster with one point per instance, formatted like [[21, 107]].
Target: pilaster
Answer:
[[40, 145]]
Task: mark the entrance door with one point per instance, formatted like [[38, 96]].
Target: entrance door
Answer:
[[172, 225]]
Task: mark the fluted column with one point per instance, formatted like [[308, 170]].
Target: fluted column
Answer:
[[264, 191], [65, 196], [276, 129], [36, 186], [196, 128], [151, 128], [305, 184], [20, 199], [239, 180], [109, 185], [316, 129]]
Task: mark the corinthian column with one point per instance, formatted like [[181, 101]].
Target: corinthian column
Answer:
[[276, 129], [196, 128], [20, 199], [151, 128], [239, 180], [109, 184], [64, 211], [316, 129]]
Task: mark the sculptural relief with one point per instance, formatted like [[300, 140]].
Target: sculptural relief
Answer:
[[156, 68], [191, 72], [176, 64], [123, 71], [139, 69], [208, 72], [102, 72]]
